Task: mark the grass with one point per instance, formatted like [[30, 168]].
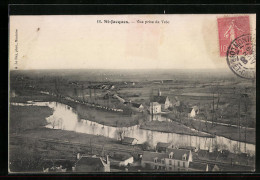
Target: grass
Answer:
[[27, 150], [220, 130], [109, 118], [28, 117], [171, 127]]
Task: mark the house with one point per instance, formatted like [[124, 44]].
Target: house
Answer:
[[225, 153], [162, 147], [157, 117], [193, 111], [92, 164], [164, 101], [198, 166], [153, 160], [121, 159], [129, 141], [191, 148], [111, 87], [155, 108], [174, 160], [127, 103], [176, 102], [57, 165], [179, 159], [138, 107], [213, 168]]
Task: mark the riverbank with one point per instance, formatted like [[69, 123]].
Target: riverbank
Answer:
[[102, 116], [118, 119], [31, 121], [172, 127], [232, 133], [84, 111]]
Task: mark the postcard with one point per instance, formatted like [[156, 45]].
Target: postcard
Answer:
[[132, 93]]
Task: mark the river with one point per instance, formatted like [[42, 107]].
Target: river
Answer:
[[66, 118]]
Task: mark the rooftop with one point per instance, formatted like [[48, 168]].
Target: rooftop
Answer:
[[178, 153], [187, 147], [91, 161], [154, 104], [121, 156], [162, 144], [149, 156], [198, 166], [128, 140], [160, 99], [136, 105]]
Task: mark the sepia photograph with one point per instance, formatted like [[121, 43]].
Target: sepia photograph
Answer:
[[146, 93]]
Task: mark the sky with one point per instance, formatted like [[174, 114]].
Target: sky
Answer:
[[79, 42]]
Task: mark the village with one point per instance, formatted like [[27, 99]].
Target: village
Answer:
[[149, 106]]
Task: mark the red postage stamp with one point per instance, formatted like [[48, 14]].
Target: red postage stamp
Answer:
[[229, 28]]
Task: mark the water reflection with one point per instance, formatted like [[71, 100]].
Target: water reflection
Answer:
[[66, 118]]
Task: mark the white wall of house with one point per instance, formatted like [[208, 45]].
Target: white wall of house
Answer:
[[176, 163], [167, 103], [140, 109], [192, 113], [134, 142], [155, 108], [126, 162], [170, 163]]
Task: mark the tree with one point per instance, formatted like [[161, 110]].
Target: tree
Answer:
[[53, 121], [127, 110], [120, 133], [216, 146], [146, 146], [236, 148]]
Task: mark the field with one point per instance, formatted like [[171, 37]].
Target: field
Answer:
[[221, 130], [27, 117], [173, 126]]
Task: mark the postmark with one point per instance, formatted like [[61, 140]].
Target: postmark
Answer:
[[241, 56]]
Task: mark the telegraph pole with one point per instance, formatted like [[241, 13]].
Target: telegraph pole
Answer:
[[152, 102], [239, 104], [82, 91], [213, 113], [94, 96], [90, 95]]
